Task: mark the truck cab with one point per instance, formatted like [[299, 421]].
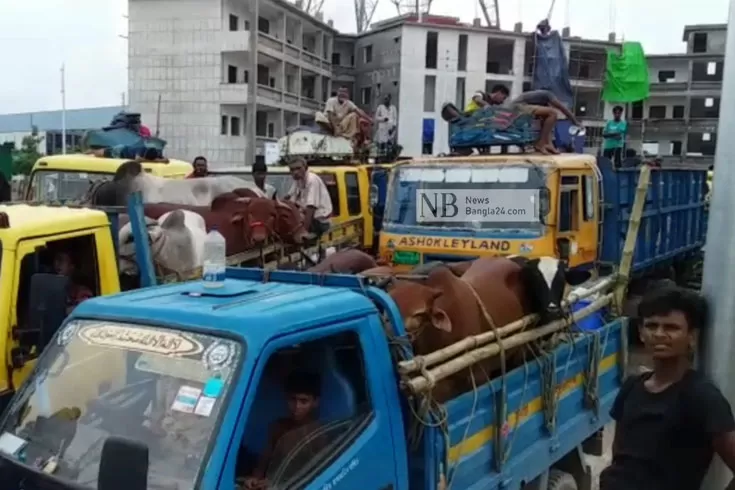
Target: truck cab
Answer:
[[197, 377], [31, 239], [67, 178]]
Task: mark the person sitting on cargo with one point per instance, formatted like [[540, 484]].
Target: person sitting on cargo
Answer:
[[310, 192], [77, 292], [303, 390], [542, 105], [671, 420], [259, 172], [343, 118], [201, 168], [482, 99]]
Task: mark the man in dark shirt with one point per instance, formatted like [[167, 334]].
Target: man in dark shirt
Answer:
[[669, 422], [201, 168]]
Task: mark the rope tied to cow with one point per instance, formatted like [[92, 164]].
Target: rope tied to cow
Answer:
[[502, 405]]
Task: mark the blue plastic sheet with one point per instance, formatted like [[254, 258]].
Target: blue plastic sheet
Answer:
[[551, 69]]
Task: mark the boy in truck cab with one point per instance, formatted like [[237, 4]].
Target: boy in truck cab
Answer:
[[77, 292], [303, 390]]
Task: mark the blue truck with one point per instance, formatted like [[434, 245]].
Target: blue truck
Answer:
[[195, 375]]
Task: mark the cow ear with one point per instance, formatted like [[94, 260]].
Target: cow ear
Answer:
[[575, 277], [440, 320]]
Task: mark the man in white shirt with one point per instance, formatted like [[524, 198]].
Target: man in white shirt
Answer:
[[259, 173], [309, 191], [345, 118], [386, 118]]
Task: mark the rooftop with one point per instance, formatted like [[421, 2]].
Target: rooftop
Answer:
[[252, 310], [26, 220], [76, 119], [92, 164]]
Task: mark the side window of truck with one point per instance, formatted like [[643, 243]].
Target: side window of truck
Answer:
[[74, 257], [588, 189], [331, 181], [312, 401], [568, 204], [353, 193]]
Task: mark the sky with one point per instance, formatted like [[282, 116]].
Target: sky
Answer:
[[37, 37]]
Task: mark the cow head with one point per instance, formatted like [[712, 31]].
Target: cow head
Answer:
[[417, 304], [290, 226], [258, 217], [545, 280], [172, 245], [128, 264]]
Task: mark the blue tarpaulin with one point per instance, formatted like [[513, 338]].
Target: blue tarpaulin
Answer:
[[550, 67]]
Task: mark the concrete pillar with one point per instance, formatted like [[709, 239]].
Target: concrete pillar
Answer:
[[283, 76], [284, 27], [299, 74], [281, 126], [519, 67], [319, 48]]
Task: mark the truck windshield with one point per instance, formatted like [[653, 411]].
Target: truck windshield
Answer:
[[486, 198], [162, 387], [61, 185]]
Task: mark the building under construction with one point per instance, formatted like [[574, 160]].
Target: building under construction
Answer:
[[192, 68]]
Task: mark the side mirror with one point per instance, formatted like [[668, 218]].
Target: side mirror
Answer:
[[47, 305], [123, 465]]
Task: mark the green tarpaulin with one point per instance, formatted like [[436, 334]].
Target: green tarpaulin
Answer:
[[626, 77]]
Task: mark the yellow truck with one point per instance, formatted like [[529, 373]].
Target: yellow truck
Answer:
[[30, 239], [67, 178], [571, 206]]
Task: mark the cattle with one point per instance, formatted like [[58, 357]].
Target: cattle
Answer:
[[351, 261], [130, 177], [443, 309], [290, 225], [419, 271], [177, 243]]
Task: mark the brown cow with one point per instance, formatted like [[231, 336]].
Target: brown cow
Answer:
[[258, 216], [444, 309], [290, 226], [351, 261]]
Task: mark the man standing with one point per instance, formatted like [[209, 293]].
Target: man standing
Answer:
[[386, 116], [259, 172], [669, 422], [310, 192], [201, 168], [614, 136]]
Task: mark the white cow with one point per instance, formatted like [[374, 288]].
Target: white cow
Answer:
[[192, 192], [177, 243]]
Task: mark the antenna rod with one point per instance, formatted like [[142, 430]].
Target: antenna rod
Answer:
[[63, 110]]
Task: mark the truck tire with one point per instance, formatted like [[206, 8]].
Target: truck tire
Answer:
[[560, 480]]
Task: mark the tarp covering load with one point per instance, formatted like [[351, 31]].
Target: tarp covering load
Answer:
[[124, 130], [550, 67], [626, 77]]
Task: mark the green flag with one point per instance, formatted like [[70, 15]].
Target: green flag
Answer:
[[626, 77]]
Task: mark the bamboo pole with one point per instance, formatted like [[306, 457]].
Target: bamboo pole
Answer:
[[421, 383], [475, 341], [631, 237]]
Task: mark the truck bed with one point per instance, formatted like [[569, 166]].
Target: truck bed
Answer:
[[530, 446], [674, 220]]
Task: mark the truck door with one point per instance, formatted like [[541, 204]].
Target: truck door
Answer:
[[86, 257], [316, 415]]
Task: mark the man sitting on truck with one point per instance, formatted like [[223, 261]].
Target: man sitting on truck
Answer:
[[310, 192], [303, 390], [669, 421], [259, 172]]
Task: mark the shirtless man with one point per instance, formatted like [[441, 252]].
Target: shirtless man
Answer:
[[543, 105]]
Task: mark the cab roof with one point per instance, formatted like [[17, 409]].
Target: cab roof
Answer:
[[29, 221], [279, 169], [93, 164], [253, 310], [564, 160]]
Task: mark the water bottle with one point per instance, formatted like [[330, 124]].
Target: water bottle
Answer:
[[215, 260]]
